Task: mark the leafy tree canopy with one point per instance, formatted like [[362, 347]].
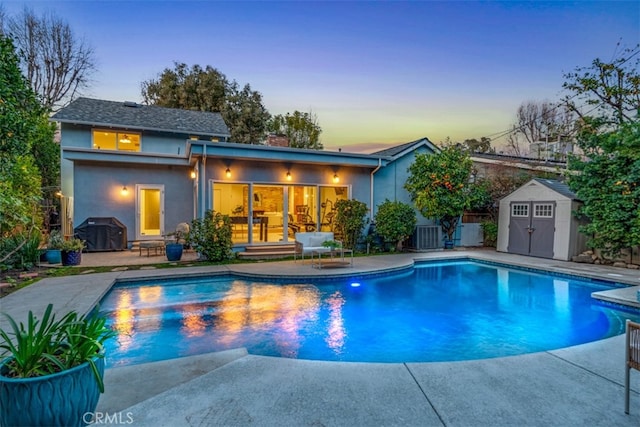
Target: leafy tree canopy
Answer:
[[207, 89], [607, 179], [440, 186], [479, 146], [302, 129], [21, 121]]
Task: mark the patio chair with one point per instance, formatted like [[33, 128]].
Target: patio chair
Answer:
[[632, 357]]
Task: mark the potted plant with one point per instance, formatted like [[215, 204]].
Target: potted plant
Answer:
[[174, 249], [51, 371], [54, 245], [332, 244], [72, 251]]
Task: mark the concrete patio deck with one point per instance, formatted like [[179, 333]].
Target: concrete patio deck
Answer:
[[582, 385]]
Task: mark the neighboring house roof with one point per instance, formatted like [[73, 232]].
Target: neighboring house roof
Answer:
[[557, 186], [131, 115], [401, 149]]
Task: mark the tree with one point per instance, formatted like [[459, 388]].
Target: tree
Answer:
[[195, 88], [611, 88], [481, 146], [245, 115], [540, 122], [302, 129], [21, 120], [395, 222], [187, 88], [57, 64], [607, 181], [440, 186]]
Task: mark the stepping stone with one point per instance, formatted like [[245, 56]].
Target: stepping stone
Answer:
[[148, 267], [88, 271], [120, 269]]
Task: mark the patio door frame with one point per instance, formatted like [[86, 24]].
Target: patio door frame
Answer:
[[139, 190]]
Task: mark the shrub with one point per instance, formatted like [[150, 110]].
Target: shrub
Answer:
[[490, 231], [395, 222], [350, 220], [211, 236]]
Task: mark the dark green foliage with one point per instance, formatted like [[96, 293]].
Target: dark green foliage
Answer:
[[23, 124], [350, 220], [21, 250], [609, 185], [395, 222], [211, 236], [195, 88], [607, 178], [490, 231]]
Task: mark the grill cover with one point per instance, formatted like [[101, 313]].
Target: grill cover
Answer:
[[102, 234]]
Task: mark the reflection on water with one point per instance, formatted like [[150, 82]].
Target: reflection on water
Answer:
[[335, 329]]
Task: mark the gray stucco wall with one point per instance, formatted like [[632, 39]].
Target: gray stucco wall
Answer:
[[98, 193], [389, 183]]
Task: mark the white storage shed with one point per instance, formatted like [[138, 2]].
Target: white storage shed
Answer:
[[538, 220]]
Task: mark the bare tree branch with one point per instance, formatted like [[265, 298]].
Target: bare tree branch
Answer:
[[57, 63]]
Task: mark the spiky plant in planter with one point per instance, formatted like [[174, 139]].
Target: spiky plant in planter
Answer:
[[52, 370]]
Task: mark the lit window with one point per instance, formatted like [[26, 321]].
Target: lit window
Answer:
[[115, 140]]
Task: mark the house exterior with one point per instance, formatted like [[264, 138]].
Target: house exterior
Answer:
[[153, 168], [538, 220]]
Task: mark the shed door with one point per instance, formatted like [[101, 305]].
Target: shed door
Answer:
[[532, 228]]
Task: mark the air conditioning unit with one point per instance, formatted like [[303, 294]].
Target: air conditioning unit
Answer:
[[425, 237]]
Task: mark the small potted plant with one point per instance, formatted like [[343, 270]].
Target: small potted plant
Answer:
[[72, 251], [54, 245], [51, 371], [332, 244]]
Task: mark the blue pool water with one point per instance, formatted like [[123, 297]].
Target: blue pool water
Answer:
[[456, 310]]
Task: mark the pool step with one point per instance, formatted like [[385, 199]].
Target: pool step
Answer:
[[129, 385]]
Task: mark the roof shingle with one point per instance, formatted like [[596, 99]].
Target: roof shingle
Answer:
[[99, 112]]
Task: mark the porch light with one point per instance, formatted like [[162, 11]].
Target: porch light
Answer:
[[124, 191], [288, 176], [228, 173], [59, 194], [193, 174], [336, 178]]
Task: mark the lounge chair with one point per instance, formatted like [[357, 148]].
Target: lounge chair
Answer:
[[632, 357]]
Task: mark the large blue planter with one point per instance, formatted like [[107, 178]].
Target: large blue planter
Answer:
[[71, 257], [66, 398], [174, 251], [54, 256]]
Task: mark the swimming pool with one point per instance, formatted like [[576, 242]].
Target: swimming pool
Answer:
[[436, 311]]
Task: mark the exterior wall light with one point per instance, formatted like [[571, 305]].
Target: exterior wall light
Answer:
[[193, 174], [124, 191], [336, 178], [288, 176], [228, 173]]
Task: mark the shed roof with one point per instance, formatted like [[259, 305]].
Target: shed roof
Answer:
[[131, 115], [557, 186]]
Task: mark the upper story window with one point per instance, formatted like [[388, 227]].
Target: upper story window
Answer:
[[115, 140]]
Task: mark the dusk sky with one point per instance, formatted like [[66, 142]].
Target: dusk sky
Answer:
[[373, 72]]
